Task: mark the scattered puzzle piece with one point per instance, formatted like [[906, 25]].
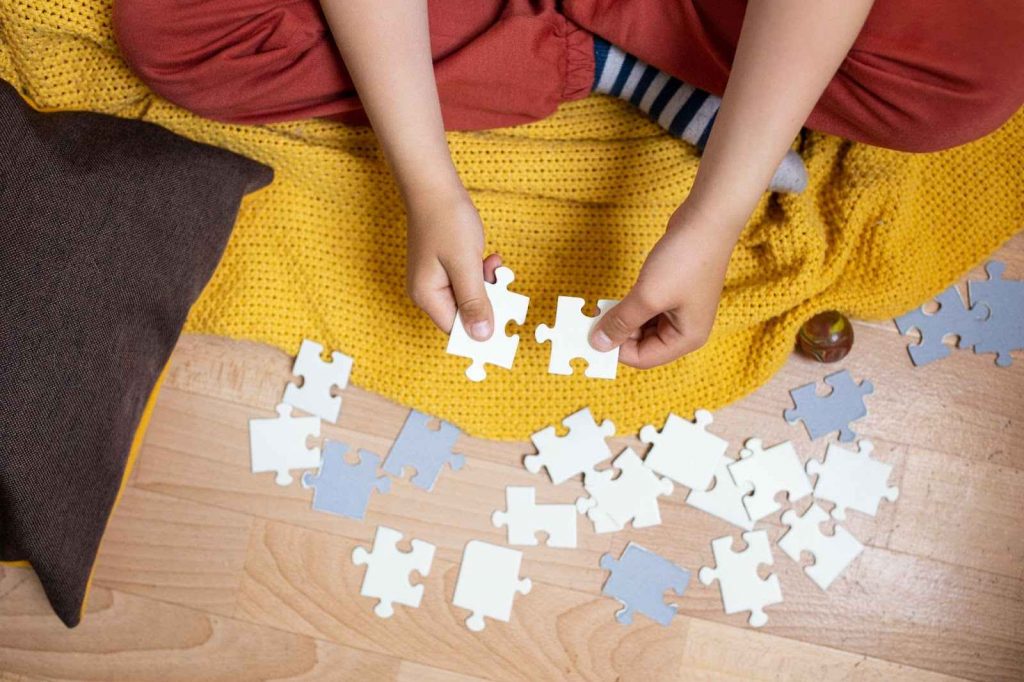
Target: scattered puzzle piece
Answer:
[[500, 349], [633, 493], [488, 582], [684, 450], [1003, 331], [421, 448], [952, 318], [832, 553], [822, 415], [741, 587], [852, 480], [388, 569], [769, 472], [576, 453], [279, 444], [639, 580], [318, 380], [524, 518], [570, 339], [725, 499], [342, 488]]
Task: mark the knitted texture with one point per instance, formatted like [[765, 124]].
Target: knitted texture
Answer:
[[573, 203]]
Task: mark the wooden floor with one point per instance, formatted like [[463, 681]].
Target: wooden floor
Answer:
[[208, 572]]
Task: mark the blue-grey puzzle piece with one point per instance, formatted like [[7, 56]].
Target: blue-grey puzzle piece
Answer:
[[423, 449], [1003, 332], [639, 579], [342, 488], [822, 415], [952, 317]]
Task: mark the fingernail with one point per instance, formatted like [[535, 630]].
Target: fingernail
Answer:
[[480, 331], [600, 341]]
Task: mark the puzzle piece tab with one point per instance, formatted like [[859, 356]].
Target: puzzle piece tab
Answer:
[[684, 451], [741, 587], [952, 318], [631, 496], [279, 444], [421, 448], [488, 582], [832, 553], [570, 339], [388, 569], [524, 518], [725, 499], [1003, 331], [852, 480], [639, 580], [500, 349], [769, 472], [342, 488], [319, 378], [576, 453], [822, 415]]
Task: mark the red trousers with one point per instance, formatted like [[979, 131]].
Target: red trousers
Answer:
[[923, 74]]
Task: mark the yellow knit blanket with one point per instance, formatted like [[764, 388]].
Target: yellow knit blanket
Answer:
[[573, 203]]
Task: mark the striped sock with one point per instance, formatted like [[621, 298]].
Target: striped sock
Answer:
[[681, 109]]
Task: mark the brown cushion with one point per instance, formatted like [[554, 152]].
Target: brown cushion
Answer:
[[109, 230]]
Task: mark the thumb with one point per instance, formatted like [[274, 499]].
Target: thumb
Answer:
[[471, 298], [620, 322]]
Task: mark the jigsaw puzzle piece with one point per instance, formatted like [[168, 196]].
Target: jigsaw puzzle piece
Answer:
[[576, 453], [279, 444], [342, 488], [832, 553], [769, 472], [822, 415], [742, 589], [524, 518], [1003, 331], [570, 339], [639, 580], [424, 449], [952, 318], [725, 498], [488, 582], [626, 496], [319, 378], [500, 349], [388, 569], [684, 451], [852, 480]]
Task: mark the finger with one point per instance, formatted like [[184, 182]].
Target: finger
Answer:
[[471, 297], [439, 305], [491, 263], [621, 322], [661, 344]]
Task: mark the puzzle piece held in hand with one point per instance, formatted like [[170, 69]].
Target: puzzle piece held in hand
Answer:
[[769, 471], [639, 579], [852, 480], [500, 349], [280, 444], [318, 380], [631, 496], [822, 415], [684, 450], [488, 582], [423, 449], [952, 318], [576, 453], [570, 339], [741, 587], [725, 499], [342, 488], [1003, 330], [832, 553], [524, 518], [388, 569]]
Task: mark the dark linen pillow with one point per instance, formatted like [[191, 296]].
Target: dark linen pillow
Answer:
[[109, 230]]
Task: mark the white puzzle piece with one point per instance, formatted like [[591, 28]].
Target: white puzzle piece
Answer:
[[318, 379], [741, 587], [832, 553], [388, 569], [725, 499], [488, 582], [684, 450], [852, 480], [279, 445], [633, 493], [770, 471], [500, 349], [524, 518], [570, 339], [576, 453]]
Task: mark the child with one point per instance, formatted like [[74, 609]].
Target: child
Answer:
[[914, 75]]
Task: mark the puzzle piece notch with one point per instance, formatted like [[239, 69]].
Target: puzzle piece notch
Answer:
[[822, 415], [576, 453], [639, 580], [832, 553], [570, 339], [742, 589], [952, 318], [280, 444], [424, 449], [631, 496], [725, 499], [388, 570], [769, 472], [852, 480], [315, 395], [524, 518], [500, 349], [342, 488], [1003, 331], [684, 451], [488, 583]]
